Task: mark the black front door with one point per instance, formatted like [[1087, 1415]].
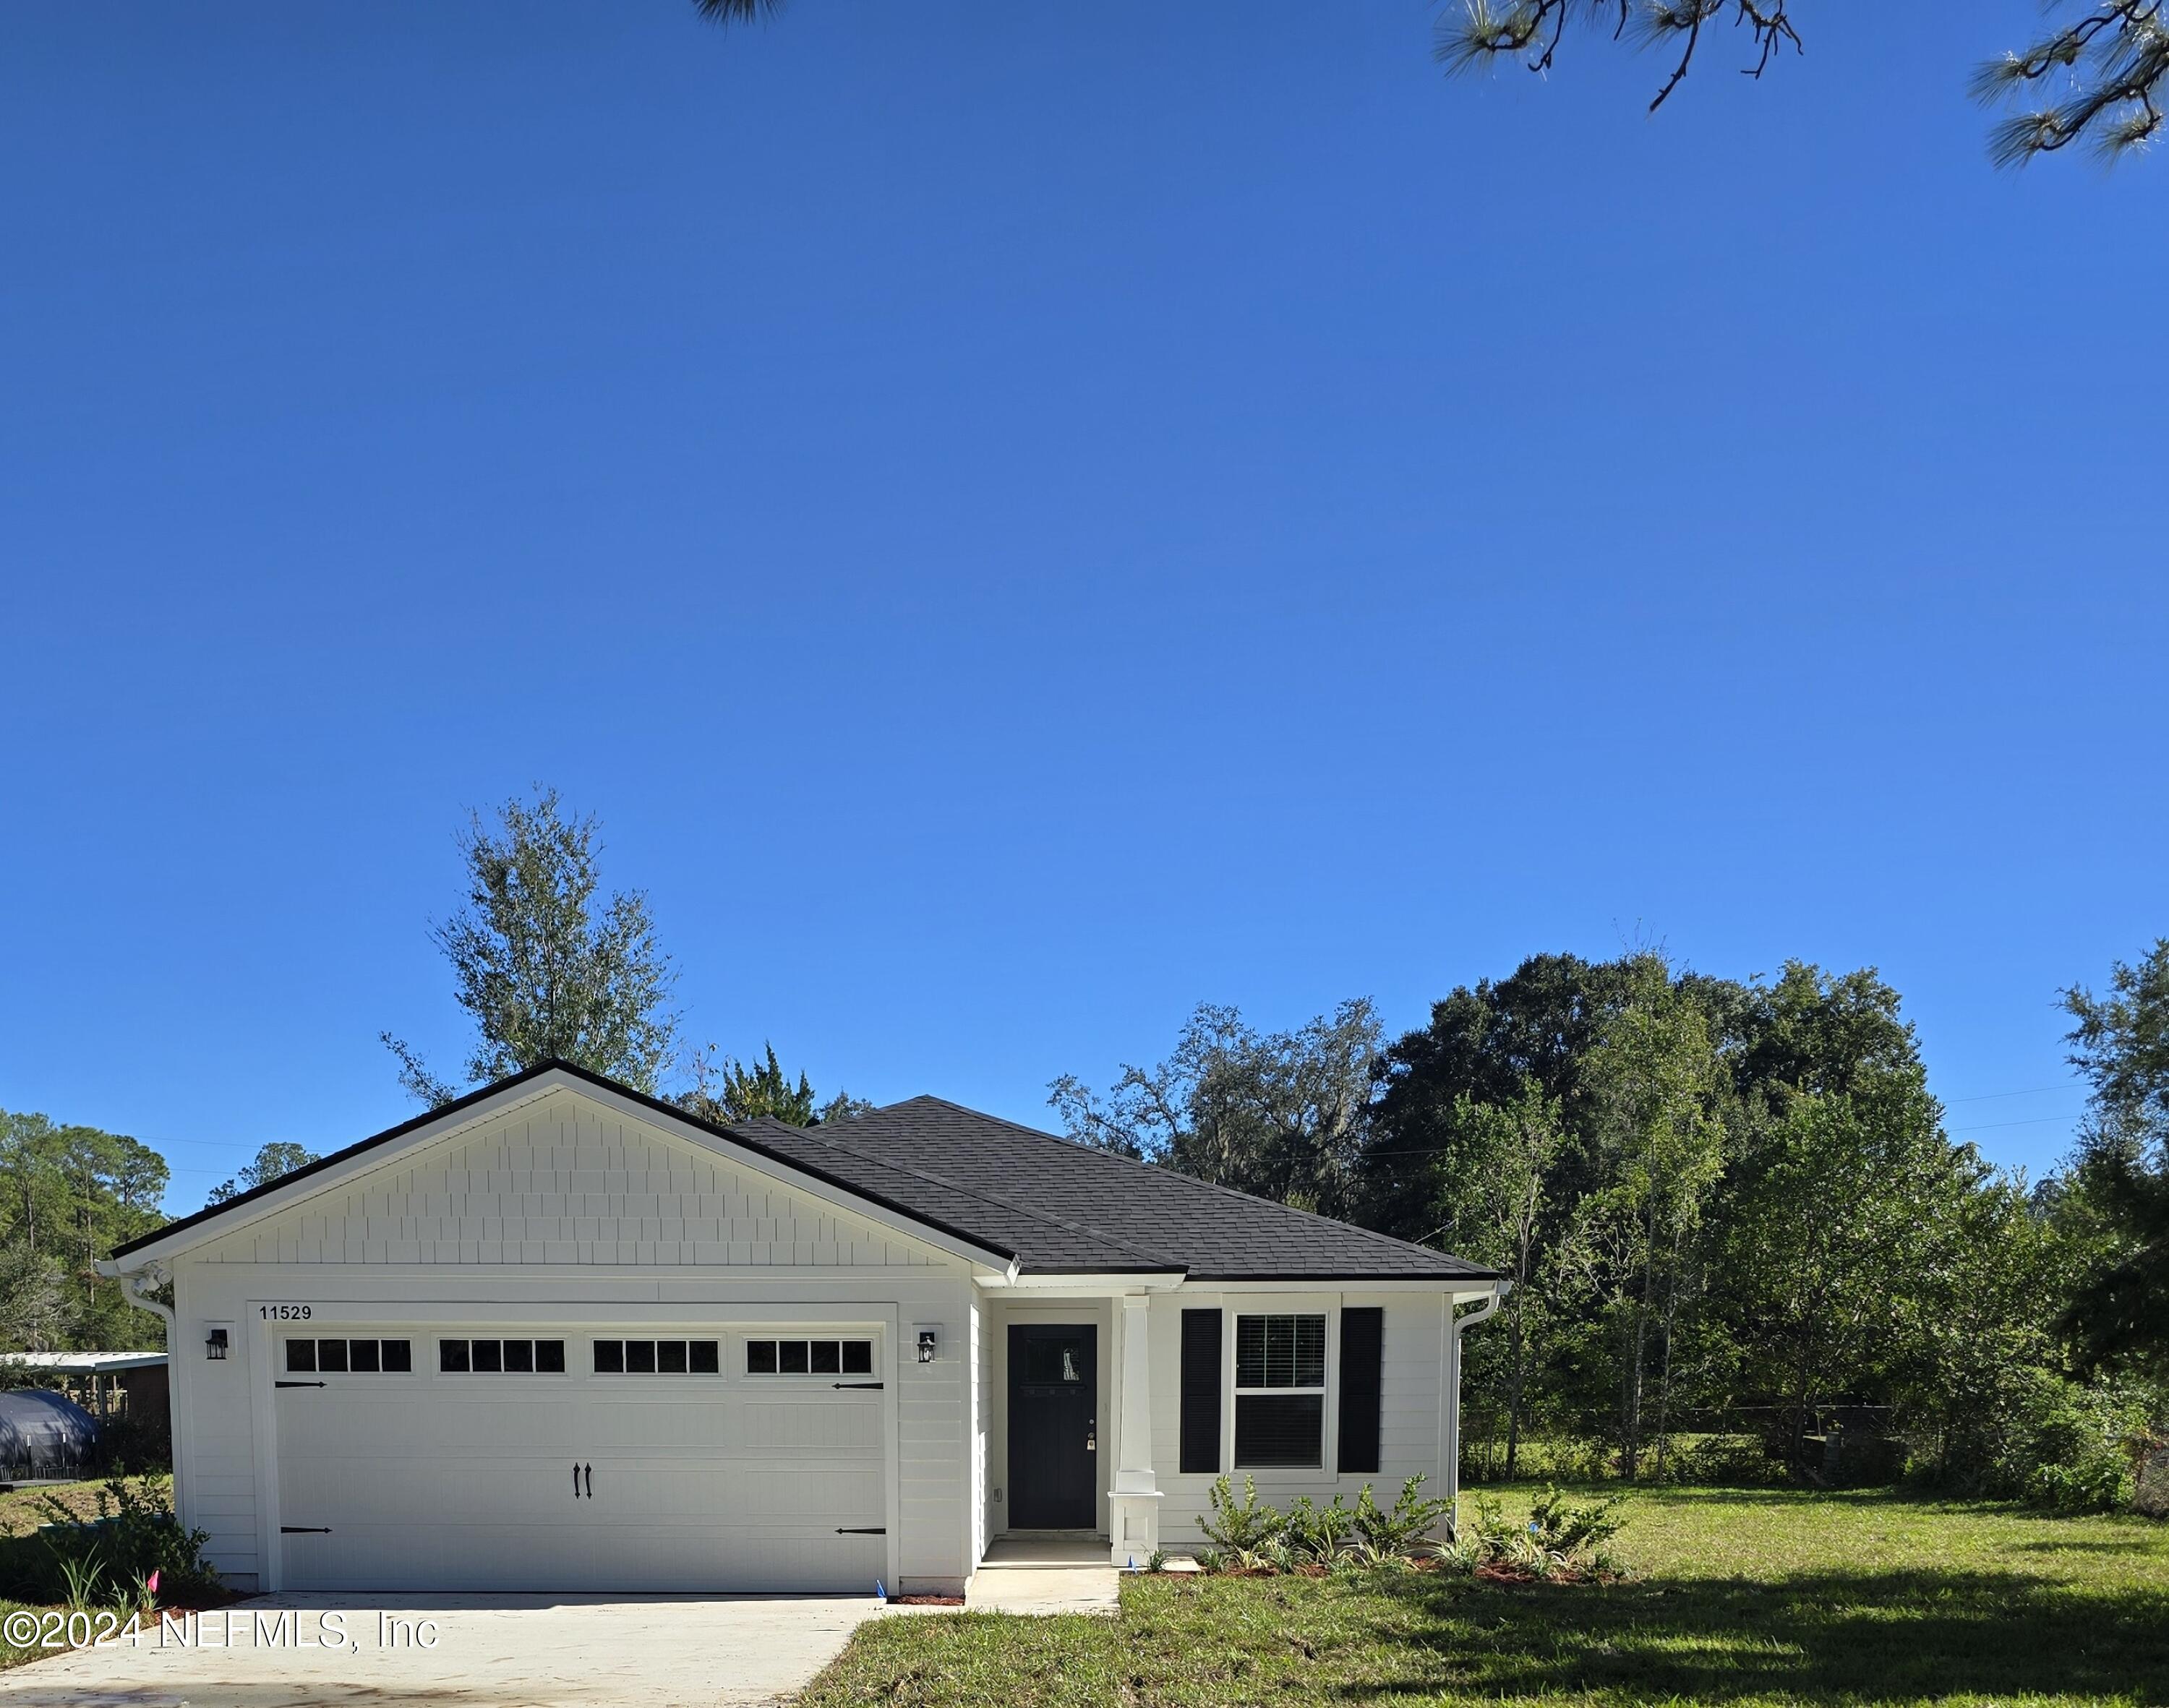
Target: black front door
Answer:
[[1054, 1414]]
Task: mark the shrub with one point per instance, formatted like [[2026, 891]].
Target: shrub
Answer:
[[134, 1535], [1410, 1522], [1316, 1532], [1243, 1527], [1559, 1523], [1562, 1539]]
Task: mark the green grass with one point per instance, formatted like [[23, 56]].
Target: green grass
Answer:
[[1739, 1596]]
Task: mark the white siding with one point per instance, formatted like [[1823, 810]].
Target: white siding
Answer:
[[560, 1206], [562, 1180], [1412, 1399]]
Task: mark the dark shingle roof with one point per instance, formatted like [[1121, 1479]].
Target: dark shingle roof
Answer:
[[1055, 1205], [1061, 1205]]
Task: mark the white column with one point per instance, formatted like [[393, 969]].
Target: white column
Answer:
[[1134, 1500]]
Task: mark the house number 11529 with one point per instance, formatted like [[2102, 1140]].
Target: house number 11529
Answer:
[[285, 1313]]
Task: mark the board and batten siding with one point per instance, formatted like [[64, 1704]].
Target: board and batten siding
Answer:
[[564, 1181], [560, 1202], [1413, 1399]]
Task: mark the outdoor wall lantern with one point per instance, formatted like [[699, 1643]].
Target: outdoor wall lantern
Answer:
[[926, 1346], [215, 1345]]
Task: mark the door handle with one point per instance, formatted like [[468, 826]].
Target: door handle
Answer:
[[591, 1481], [576, 1479], [1091, 1435]]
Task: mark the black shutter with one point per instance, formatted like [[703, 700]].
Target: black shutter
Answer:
[[1201, 1391], [1362, 1358]]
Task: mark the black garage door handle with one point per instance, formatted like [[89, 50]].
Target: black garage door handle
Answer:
[[304, 1530], [862, 1530]]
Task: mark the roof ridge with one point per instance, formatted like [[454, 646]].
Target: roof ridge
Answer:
[[1167, 1174], [820, 1137]]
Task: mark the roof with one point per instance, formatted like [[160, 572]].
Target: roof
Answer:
[[1065, 1206], [1049, 1205], [98, 1362]]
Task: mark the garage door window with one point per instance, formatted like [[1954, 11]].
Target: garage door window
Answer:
[[658, 1357], [1280, 1390], [499, 1357], [349, 1357], [810, 1358]]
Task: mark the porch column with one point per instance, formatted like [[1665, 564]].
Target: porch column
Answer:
[[1134, 1500]]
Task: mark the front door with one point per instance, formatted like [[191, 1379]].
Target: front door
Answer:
[[1054, 1440]]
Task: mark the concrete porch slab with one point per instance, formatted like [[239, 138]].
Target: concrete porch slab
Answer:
[[1028, 1574]]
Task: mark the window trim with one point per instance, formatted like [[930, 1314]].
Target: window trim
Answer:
[[837, 1338], [688, 1341], [1238, 1305], [439, 1337], [283, 1368]]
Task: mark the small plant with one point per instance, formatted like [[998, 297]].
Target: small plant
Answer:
[[1409, 1522], [1210, 1560], [1244, 1526], [1561, 1539], [1558, 1523], [85, 1578], [1156, 1561], [135, 1541], [1460, 1556], [1318, 1533]]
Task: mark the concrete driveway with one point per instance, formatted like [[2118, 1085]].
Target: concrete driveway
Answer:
[[474, 1651]]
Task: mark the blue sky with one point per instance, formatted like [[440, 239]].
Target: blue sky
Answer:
[[1021, 519]]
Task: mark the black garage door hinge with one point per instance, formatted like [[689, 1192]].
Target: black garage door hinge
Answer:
[[853, 1385], [863, 1531], [304, 1530], [297, 1385]]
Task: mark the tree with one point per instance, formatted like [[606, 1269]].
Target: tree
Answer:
[[545, 973], [1493, 1179], [34, 1306], [1279, 1115], [2102, 71], [274, 1162], [1825, 1233], [1485, 1043], [725, 1090], [68, 1195], [1655, 1075], [2117, 1316]]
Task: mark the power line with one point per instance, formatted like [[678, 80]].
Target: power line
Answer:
[[2031, 1091]]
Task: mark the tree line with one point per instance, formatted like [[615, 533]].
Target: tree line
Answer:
[[68, 1194], [1719, 1200], [1724, 1206]]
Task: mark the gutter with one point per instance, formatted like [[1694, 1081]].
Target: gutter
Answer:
[[133, 1285]]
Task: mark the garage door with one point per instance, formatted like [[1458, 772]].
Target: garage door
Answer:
[[703, 1461]]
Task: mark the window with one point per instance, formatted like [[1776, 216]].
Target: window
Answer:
[[349, 1357], [496, 1357], [658, 1357], [810, 1358], [1280, 1390]]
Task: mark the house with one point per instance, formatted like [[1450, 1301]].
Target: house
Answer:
[[560, 1336]]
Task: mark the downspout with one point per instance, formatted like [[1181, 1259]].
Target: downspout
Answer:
[[133, 1282], [1487, 1310]]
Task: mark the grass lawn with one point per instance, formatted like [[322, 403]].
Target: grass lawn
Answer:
[[1739, 1596]]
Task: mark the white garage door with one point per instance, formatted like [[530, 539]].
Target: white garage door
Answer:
[[700, 1460]]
